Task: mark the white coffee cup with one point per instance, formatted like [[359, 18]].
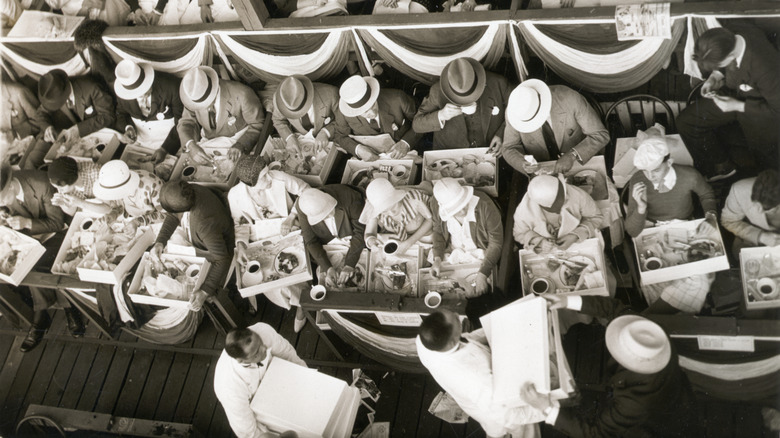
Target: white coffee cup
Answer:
[[653, 263], [390, 247], [432, 299], [192, 271], [318, 292], [253, 274], [541, 286], [766, 287]]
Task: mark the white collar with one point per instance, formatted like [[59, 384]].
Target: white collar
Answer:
[[19, 192], [670, 179], [743, 46]]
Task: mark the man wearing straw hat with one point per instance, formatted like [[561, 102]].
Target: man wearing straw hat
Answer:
[[225, 110], [148, 108], [465, 109], [647, 392], [302, 106], [551, 123], [367, 111]]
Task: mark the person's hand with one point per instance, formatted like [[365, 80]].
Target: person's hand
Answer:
[[495, 143], [436, 267], [205, 14], [94, 13], [372, 243], [49, 135], [768, 238], [157, 251], [496, 148], [241, 257], [449, 111], [131, 227], [481, 284], [346, 273], [196, 300], [321, 141], [62, 200], [69, 134], [403, 246], [728, 104], [543, 245], [365, 153], [130, 136], [533, 398], [234, 154], [331, 277], [292, 146], [567, 3], [566, 241], [468, 6], [399, 150], [19, 223], [564, 163], [713, 83], [639, 193], [709, 225], [556, 302], [287, 225], [390, 3], [157, 157], [198, 155]]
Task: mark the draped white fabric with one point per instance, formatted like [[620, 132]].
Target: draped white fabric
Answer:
[[691, 67], [733, 372], [287, 65], [73, 67], [389, 344], [199, 55]]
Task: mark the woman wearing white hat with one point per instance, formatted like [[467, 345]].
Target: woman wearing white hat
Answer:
[[401, 212], [136, 195]]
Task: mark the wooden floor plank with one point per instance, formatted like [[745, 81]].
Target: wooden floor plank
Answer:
[[59, 379], [171, 392], [79, 375], [409, 406], [428, 424], [22, 378], [97, 375], [43, 374], [720, 421], [208, 408], [134, 383], [196, 379], [158, 375], [389, 385], [114, 380]]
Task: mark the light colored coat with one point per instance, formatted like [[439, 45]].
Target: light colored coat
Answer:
[[743, 216], [326, 106]]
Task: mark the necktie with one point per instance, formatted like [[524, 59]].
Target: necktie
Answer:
[[212, 118], [374, 124], [549, 141], [306, 123], [66, 109]]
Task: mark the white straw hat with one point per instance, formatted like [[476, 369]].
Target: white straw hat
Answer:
[[115, 181], [132, 80], [357, 94], [638, 344], [199, 88], [651, 153], [529, 105], [316, 205], [380, 196]]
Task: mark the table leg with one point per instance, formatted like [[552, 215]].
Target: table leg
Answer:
[[88, 310], [21, 315]]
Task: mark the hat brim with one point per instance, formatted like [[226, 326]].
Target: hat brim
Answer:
[[545, 104], [370, 211], [124, 93], [628, 360], [447, 213], [350, 111], [307, 84], [472, 97], [117, 193], [194, 106]]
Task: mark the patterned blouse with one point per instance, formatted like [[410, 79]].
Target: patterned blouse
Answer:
[[407, 216], [87, 177], [144, 203]]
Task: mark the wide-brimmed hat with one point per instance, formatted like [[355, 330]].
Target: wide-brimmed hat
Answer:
[[529, 105], [250, 168], [115, 181], [651, 153], [53, 89], [638, 344], [451, 196], [357, 94], [463, 81], [132, 80], [380, 196], [316, 205], [294, 96], [199, 88], [544, 190]]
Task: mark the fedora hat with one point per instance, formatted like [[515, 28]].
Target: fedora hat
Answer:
[[357, 94], [199, 88], [638, 344], [529, 105], [53, 89], [132, 80], [294, 96], [380, 196], [463, 81], [451, 196], [115, 181], [316, 205]]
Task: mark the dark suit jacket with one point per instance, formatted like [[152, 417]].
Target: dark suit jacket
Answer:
[[165, 100], [211, 232], [326, 106], [759, 71], [395, 108], [94, 107], [641, 405], [350, 202], [454, 135], [46, 218]]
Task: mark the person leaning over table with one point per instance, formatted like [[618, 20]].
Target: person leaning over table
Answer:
[[327, 213], [18, 110], [217, 108], [402, 212], [86, 105], [647, 393], [752, 211], [662, 191], [302, 106], [265, 194], [465, 109], [552, 123], [208, 226], [74, 182], [27, 197]]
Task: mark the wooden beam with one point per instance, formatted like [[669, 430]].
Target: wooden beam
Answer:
[[71, 419], [685, 325], [373, 302], [252, 13]]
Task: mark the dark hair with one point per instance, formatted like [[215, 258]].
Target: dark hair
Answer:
[[236, 342], [63, 171], [177, 196], [766, 189], [712, 47], [89, 34], [435, 331]]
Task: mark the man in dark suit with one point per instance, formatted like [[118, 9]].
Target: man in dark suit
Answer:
[[366, 110], [27, 196], [148, 108], [743, 87], [648, 393], [209, 226], [82, 101], [465, 109], [327, 213], [301, 106]]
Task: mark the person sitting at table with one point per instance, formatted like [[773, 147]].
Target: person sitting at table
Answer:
[[302, 106], [328, 213], [662, 191], [467, 227], [227, 112], [366, 110], [403, 213], [82, 100], [132, 194], [113, 12], [752, 211], [552, 123], [74, 182], [465, 109], [148, 108], [19, 106], [263, 194], [27, 197], [461, 363]]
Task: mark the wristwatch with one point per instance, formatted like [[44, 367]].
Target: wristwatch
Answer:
[[577, 156]]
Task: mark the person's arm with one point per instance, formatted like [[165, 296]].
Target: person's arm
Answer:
[[408, 109], [241, 224], [705, 193], [767, 84], [54, 219], [293, 185], [427, 117], [490, 220], [439, 240], [591, 219], [168, 227], [421, 232], [173, 101], [513, 149], [635, 221], [358, 242], [343, 130], [235, 398], [330, 95], [596, 135], [252, 112], [42, 119], [188, 128], [28, 103], [217, 254], [123, 119], [281, 124], [522, 230], [733, 217], [104, 114], [312, 243]]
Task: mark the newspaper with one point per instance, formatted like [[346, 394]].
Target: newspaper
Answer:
[[637, 22], [446, 408]]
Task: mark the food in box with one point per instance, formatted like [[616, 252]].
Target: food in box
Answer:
[[359, 280], [561, 272], [310, 163], [95, 245], [137, 158], [85, 147], [172, 278], [216, 171], [398, 174], [677, 246], [14, 248], [271, 261], [476, 170], [761, 275], [392, 273]]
